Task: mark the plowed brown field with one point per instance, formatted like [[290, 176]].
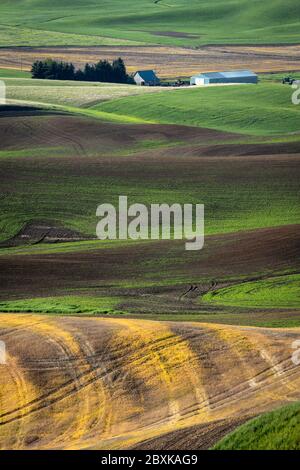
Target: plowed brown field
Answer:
[[249, 254]]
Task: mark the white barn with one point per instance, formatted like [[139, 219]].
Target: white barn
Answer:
[[219, 78]]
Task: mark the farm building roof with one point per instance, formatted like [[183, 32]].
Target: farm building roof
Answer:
[[147, 75], [232, 74]]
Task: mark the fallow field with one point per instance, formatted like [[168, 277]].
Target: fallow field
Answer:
[[169, 62]]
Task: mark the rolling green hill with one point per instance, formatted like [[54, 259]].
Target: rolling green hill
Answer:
[[263, 110], [232, 203], [257, 110], [278, 430], [147, 21]]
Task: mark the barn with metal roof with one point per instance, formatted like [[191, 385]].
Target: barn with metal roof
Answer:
[[146, 78], [215, 78]]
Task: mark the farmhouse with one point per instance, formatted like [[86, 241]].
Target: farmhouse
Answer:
[[218, 78], [146, 78]]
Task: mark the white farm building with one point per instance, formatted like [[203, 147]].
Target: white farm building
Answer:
[[219, 78]]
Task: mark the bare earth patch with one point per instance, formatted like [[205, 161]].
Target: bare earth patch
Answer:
[[201, 437], [43, 232]]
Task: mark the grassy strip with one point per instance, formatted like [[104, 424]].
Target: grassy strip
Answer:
[[111, 306], [69, 247], [34, 152], [278, 430], [18, 36], [257, 320], [277, 292], [277, 77], [66, 305], [70, 93], [14, 73]]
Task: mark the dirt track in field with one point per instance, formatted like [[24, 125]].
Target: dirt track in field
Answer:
[[112, 384], [166, 61]]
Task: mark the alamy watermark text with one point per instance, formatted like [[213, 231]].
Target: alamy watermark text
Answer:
[[162, 221]]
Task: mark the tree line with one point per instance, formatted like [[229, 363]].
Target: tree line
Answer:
[[102, 71]]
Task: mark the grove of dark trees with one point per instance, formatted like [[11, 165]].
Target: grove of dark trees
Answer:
[[102, 71]]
